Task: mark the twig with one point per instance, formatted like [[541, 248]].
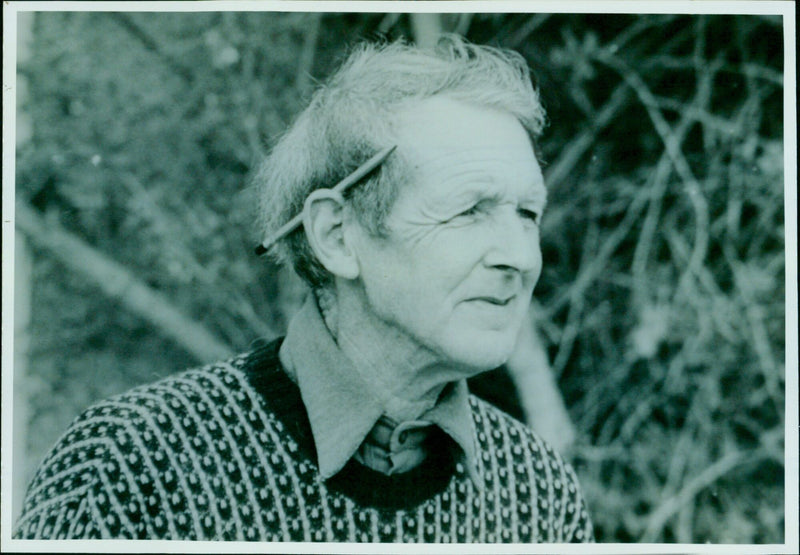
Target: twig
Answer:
[[699, 104], [253, 113], [388, 21], [707, 477], [572, 327], [577, 147], [658, 188], [755, 316], [172, 236], [684, 527], [696, 113], [150, 44], [607, 249], [302, 81], [683, 448], [462, 26], [644, 408], [761, 72], [713, 292], [672, 143], [639, 26], [521, 34], [542, 402], [568, 335], [426, 29], [754, 70], [120, 285]]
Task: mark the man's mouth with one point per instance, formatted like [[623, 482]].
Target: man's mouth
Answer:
[[496, 301]]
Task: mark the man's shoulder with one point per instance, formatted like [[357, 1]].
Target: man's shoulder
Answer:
[[501, 435], [193, 394], [214, 383], [202, 401], [513, 455], [118, 449]]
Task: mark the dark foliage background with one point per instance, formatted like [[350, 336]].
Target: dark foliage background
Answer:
[[662, 296]]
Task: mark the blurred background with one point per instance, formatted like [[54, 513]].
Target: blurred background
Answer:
[[659, 315]]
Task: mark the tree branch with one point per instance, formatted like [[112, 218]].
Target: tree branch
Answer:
[[303, 81], [672, 147], [522, 34], [120, 284], [577, 147], [426, 28], [125, 21], [712, 473]]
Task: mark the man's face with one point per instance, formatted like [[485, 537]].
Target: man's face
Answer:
[[457, 270]]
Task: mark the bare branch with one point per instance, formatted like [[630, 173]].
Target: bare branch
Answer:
[[541, 399], [672, 145], [120, 284], [577, 147], [149, 43], [521, 34], [303, 80], [756, 316], [594, 268], [427, 28], [707, 477]]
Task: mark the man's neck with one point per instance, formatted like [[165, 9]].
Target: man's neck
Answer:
[[401, 372]]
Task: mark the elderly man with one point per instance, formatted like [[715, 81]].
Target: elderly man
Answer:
[[358, 425]]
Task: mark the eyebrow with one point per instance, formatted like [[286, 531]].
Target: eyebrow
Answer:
[[349, 181], [536, 195]]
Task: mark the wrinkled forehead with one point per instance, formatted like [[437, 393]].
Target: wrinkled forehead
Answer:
[[443, 122], [447, 138]]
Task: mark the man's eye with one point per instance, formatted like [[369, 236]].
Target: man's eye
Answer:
[[471, 211], [467, 215], [529, 215]]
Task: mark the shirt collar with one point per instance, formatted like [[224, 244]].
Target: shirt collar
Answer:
[[342, 407]]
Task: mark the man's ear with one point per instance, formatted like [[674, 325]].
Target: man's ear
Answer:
[[323, 220]]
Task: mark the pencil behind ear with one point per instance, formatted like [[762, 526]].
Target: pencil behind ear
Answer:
[[323, 218]]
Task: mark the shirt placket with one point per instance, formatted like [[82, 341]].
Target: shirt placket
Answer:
[[406, 445]]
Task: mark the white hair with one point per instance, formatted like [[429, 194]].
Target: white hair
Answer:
[[350, 118]]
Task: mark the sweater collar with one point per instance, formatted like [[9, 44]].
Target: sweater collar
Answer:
[[343, 408]]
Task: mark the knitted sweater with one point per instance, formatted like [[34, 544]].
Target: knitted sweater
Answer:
[[225, 452]]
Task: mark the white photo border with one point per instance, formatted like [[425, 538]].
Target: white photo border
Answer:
[[786, 9]]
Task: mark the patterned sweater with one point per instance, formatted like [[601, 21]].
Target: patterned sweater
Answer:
[[225, 452]]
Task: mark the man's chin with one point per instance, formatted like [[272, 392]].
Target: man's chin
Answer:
[[483, 355]]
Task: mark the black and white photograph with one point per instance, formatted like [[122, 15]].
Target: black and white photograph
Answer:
[[350, 276]]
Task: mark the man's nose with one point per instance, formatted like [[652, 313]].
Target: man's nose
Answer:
[[514, 244]]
